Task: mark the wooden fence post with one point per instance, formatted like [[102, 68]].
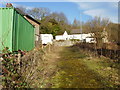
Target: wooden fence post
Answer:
[[49, 48], [19, 59]]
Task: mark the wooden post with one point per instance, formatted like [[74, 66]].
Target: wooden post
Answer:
[[42, 46], [49, 48], [19, 59]]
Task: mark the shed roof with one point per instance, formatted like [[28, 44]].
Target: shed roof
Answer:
[[28, 16]]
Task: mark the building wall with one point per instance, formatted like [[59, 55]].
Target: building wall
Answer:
[[74, 36], [23, 33], [6, 23], [46, 38], [59, 37], [36, 28], [15, 32]]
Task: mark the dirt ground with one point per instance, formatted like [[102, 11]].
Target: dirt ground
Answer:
[[66, 68]]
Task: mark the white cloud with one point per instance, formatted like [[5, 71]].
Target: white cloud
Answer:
[[104, 10], [102, 13], [113, 5], [95, 12], [17, 5], [87, 5]]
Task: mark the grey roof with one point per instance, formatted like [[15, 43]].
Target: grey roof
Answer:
[[24, 14], [20, 11], [75, 31]]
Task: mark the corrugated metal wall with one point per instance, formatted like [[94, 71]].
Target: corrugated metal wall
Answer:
[[16, 32], [23, 36], [6, 22]]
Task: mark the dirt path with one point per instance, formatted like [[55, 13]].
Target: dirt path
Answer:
[[69, 71]]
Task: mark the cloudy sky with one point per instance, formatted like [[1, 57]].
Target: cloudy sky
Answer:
[[79, 9]]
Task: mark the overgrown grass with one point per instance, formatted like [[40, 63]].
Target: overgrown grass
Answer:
[[67, 67], [79, 70], [72, 73], [106, 69]]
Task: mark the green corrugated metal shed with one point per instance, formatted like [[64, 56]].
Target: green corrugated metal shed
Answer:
[[15, 31]]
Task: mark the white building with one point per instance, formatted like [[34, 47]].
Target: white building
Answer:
[[46, 38], [82, 37], [62, 37], [90, 40]]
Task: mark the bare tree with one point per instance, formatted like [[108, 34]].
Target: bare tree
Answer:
[[98, 26], [39, 13], [59, 17], [36, 13], [76, 23]]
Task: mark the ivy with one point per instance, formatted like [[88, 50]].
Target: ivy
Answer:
[[11, 78]]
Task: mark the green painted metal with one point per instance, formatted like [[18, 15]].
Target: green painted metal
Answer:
[[23, 33], [6, 22], [15, 32]]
